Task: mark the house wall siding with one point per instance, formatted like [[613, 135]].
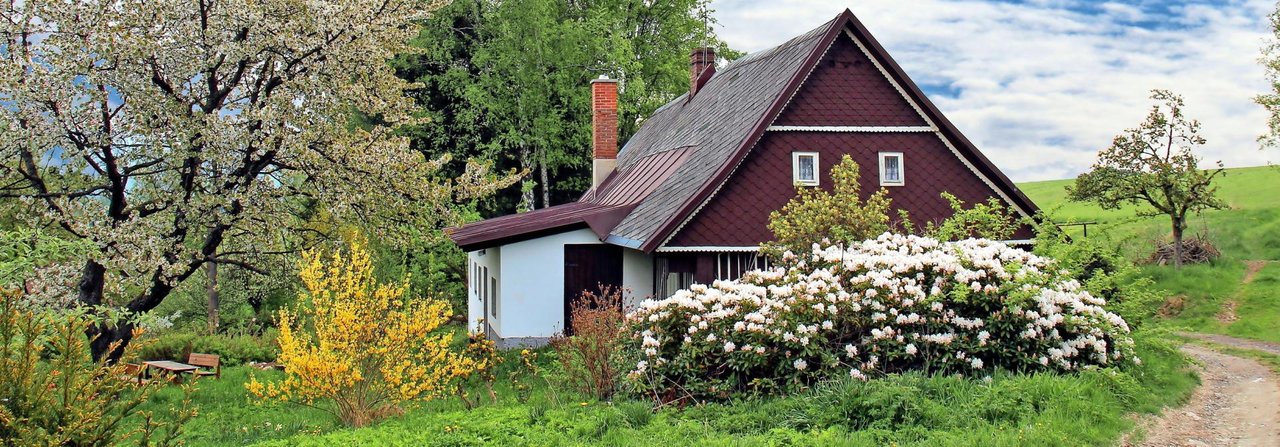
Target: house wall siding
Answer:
[[739, 214], [637, 276], [489, 258], [845, 89], [532, 285]]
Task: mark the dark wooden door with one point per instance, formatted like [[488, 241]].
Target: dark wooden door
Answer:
[[586, 269]]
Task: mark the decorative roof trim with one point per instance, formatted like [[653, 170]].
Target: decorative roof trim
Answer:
[[1019, 242], [846, 129], [708, 248]]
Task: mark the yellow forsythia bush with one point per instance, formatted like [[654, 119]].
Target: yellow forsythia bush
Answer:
[[357, 348]]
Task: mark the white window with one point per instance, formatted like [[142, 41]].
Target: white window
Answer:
[[891, 169], [804, 168]]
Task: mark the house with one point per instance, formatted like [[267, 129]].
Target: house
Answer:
[[688, 197]]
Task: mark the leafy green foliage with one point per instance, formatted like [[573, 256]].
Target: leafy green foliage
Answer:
[[508, 82], [987, 220], [1154, 165], [1271, 101], [840, 216], [1104, 272], [233, 349], [23, 251]]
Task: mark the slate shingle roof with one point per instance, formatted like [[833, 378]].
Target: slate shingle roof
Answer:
[[718, 120]]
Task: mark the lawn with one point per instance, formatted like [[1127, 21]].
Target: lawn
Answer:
[[1249, 230], [1090, 408]]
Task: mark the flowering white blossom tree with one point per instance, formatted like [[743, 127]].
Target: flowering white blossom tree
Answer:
[[158, 129]]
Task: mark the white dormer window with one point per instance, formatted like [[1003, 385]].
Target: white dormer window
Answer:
[[891, 169], [804, 168]]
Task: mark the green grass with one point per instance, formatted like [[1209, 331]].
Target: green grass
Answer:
[[1248, 230], [227, 416], [1091, 408]]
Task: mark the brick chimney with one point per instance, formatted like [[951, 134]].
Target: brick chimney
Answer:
[[604, 128], [702, 65]]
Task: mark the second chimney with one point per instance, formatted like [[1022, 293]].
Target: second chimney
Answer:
[[702, 65], [604, 128]]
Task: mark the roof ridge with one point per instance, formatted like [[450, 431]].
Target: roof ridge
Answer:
[[828, 32]]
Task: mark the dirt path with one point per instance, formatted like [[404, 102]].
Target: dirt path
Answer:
[[1228, 312], [1256, 345], [1237, 404]]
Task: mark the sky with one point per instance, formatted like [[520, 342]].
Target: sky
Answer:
[[1042, 85]]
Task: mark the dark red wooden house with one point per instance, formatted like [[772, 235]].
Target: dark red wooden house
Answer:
[[688, 197]]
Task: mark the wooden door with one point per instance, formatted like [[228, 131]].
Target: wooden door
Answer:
[[586, 269]]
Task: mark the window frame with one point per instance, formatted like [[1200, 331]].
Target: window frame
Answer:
[[495, 302], [902, 169], [795, 169]]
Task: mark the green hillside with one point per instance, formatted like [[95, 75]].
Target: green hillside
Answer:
[[1214, 297]]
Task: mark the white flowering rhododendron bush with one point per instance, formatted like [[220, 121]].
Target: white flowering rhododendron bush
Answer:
[[893, 304]]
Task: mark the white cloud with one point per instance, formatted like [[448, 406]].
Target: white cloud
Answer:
[[1042, 86]]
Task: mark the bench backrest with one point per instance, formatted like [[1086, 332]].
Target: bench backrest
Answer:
[[132, 369], [203, 360]]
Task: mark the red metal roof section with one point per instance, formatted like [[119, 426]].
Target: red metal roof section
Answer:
[[600, 211], [638, 181]]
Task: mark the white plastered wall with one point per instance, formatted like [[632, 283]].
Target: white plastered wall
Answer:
[[532, 284], [490, 258], [530, 288], [637, 276]]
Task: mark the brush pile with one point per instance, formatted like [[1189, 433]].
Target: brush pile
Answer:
[[1195, 250]]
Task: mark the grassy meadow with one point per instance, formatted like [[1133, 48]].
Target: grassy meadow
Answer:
[[1201, 296], [1090, 408]]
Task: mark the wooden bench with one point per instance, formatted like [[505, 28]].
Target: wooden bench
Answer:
[[135, 372], [211, 365]]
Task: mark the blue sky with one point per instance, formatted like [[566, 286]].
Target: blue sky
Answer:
[[1042, 85]]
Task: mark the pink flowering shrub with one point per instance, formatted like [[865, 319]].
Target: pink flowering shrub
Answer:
[[891, 304]]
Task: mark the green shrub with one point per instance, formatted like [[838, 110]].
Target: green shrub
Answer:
[[1104, 271], [53, 394], [232, 349], [889, 305], [988, 220]]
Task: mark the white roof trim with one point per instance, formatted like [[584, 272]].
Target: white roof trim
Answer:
[[1019, 242], [851, 129], [707, 248]]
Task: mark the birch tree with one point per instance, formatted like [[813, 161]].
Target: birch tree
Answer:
[[159, 129]]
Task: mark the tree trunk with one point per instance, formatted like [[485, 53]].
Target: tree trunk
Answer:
[[1178, 225], [526, 192], [102, 335], [211, 289], [546, 182]]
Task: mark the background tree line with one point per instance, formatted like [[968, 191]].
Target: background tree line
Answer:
[[508, 82]]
